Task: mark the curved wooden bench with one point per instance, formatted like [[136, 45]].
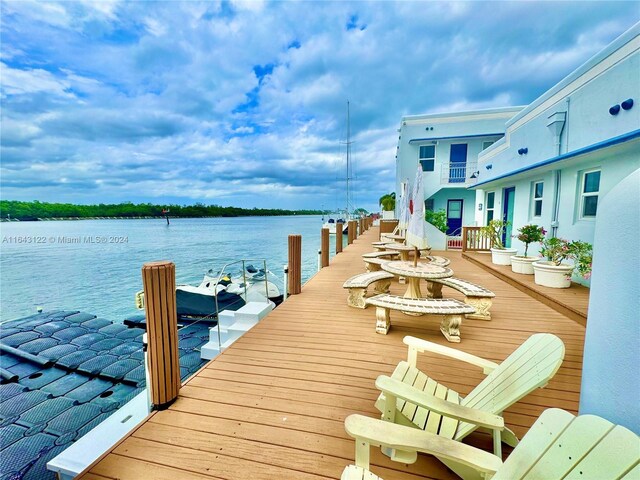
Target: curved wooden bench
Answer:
[[436, 260], [385, 254], [358, 284], [373, 264], [379, 246], [451, 309], [475, 295]]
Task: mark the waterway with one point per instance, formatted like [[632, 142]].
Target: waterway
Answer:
[[94, 265]]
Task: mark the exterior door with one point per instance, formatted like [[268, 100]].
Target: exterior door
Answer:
[[507, 214], [454, 217], [458, 163]]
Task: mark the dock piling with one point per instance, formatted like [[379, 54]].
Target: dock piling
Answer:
[[324, 247], [351, 232], [159, 283], [295, 264], [339, 230]]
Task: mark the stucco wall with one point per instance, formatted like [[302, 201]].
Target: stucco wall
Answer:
[[586, 101], [615, 165], [610, 380]]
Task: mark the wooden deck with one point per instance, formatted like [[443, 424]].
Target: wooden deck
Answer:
[[273, 405], [572, 302]]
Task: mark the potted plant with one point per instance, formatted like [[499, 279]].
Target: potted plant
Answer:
[[500, 255], [555, 274], [388, 203], [527, 235]]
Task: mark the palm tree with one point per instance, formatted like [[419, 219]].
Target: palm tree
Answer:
[[388, 201]]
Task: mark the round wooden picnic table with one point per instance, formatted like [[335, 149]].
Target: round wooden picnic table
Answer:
[[422, 270], [395, 238]]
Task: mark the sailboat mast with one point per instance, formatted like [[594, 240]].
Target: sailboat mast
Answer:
[[348, 154]]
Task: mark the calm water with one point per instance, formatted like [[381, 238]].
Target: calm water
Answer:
[[38, 269]]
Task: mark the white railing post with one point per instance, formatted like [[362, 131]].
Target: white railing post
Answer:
[[286, 283]]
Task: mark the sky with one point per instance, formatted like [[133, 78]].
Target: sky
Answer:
[[244, 103]]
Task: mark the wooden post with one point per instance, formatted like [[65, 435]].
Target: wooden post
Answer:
[[324, 246], [350, 232], [464, 239], [339, 235], [295, 264], [159, 283], [355, 229]]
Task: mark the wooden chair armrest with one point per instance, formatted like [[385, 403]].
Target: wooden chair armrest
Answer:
[[418, 345], [379, 433], [396, 388]]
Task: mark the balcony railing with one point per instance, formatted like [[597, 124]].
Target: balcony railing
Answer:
[[458, 173]]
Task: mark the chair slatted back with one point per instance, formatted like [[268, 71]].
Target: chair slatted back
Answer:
[[561, 446], [529, 367]]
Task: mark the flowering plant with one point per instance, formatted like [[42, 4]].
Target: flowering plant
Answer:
[[493, 231], [558, 249], [529, 234]]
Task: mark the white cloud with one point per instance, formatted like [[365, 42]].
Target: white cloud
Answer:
[[244, 102]]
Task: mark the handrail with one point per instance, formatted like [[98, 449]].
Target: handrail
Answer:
[[474, 241], [244, 282]]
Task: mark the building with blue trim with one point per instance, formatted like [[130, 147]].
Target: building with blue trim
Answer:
[[446, 146], [566, 150]]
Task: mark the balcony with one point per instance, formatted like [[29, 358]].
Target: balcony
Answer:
[[458, 173]]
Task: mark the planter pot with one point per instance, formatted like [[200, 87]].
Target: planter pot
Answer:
[[502, 257], [524, 265], [549, 275]]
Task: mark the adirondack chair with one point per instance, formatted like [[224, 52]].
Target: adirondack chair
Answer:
[[409, 397], [558, 446]]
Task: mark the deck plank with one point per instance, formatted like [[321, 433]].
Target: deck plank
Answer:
[[273, 405]]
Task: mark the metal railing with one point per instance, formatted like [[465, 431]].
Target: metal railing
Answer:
[[458, 173]]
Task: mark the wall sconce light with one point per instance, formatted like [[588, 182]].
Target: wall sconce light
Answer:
[[614, 110], [475, 174], [523, 151], [627, 104], [489, 167]]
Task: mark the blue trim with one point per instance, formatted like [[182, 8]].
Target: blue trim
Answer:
[[416, 140], [581, 151]]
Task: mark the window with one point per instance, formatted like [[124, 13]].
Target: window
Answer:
[[491, 198], [428, 204], [589, 194], [536, 207], [486, 145], [427, 157]]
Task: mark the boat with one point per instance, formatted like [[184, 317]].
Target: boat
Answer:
[[330, 224], [220, 290]]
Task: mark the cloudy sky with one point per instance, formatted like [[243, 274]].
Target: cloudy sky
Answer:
[[244, 103]]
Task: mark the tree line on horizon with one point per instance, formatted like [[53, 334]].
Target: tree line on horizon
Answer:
[[13, 209]]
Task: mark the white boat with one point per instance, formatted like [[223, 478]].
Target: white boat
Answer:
[[332, 223], [219, 291]]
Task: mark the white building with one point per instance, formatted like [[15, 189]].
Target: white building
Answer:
[[564, 152], [447, 147]]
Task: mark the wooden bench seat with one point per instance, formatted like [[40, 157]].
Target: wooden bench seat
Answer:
[[385, 254], [373, 264], [436, 260], [452, 311], [358, 284], [478, 297], [379, 246]]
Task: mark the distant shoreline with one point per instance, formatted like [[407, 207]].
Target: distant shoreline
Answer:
[[159, 217], [12, 210]]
